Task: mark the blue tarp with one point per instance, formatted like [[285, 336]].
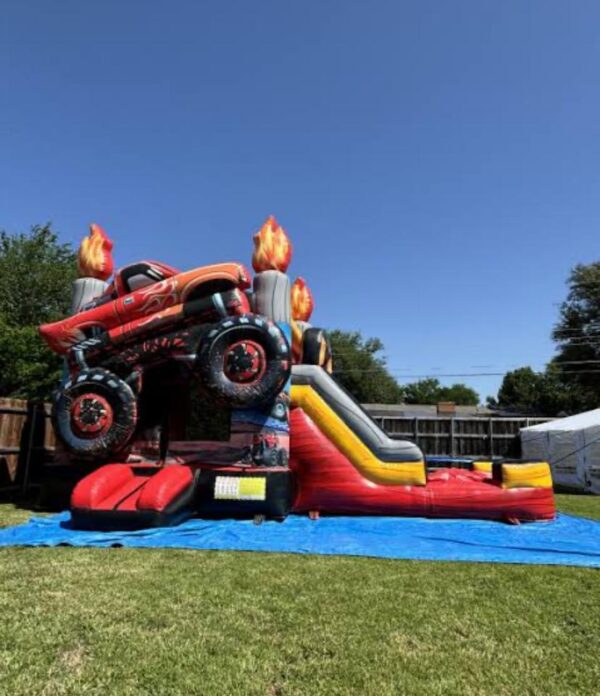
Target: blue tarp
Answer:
[[568, 540]]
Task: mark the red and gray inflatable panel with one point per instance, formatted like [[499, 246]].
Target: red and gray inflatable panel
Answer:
[[327, 481], [123, 496]]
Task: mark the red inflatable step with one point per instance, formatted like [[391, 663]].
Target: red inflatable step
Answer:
[[123, 496]]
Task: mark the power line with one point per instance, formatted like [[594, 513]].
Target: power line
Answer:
[[436, 375], [388, 368]]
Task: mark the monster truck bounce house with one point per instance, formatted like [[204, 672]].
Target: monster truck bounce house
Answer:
[[207, 392]]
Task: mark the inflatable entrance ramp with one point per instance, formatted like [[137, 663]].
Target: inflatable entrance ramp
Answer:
[[122, 496]]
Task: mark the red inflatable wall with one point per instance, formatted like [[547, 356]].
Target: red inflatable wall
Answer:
[[327, 482]]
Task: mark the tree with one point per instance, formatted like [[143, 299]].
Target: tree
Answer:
[[359, 368], [430, 391], [520, 390], [577, 335], [36, 273], [571, 381], [537, 393], [560, 396], [460, 394], [425, 391]]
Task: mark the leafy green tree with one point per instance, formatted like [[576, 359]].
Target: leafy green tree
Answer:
[[460, 394], [559, 395], [577, 334], [359, 368], [571, 381], [430, 391], [36, 272], [537, 393], [520, 390], [425, 391]]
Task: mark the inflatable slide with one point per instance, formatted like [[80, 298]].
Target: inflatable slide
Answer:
[[345, 464]]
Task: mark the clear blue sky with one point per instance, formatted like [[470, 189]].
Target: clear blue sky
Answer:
[[437, 164]]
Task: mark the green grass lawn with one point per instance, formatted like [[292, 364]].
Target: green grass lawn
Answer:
[[127, 621]]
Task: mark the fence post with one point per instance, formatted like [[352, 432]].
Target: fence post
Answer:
[[452, 438], [32, 424], [491, 436]]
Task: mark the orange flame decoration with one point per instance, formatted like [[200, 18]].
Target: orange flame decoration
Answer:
[[272, 248], [302, 300], [94, 259]]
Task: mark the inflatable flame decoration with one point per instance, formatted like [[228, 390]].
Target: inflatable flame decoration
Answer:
[[272, 248], [302, 300], [94, 259]]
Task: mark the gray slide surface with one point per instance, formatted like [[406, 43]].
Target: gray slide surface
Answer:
[[355, 417]]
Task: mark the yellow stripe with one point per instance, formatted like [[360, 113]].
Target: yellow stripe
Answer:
[[536, 475], [485, 467], [352, 447]]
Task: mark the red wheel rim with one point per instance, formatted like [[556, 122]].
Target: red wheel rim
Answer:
[[91, 415], [245, 362]]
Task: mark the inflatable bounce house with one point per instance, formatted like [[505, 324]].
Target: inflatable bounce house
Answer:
[[208, 393]]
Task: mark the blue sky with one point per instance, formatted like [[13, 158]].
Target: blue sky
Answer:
[[435, 163]]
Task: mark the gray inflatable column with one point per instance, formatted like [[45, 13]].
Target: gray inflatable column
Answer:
[[85, 290], [272, 296]]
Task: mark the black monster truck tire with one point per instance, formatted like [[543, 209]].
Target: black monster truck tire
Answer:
[[95, 414], [244, 361]]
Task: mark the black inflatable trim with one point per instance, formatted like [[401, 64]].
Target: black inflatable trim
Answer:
[[312, 343], [277, 503]]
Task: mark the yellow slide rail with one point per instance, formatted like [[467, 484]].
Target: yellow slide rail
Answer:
[[351, 446]]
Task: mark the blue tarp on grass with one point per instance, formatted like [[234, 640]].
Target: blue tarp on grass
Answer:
[[568, 540]]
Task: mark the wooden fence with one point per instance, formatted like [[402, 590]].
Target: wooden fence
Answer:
[[26, 441], [458, 437]]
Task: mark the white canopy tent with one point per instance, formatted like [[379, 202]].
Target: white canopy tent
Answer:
[[571, 446]]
